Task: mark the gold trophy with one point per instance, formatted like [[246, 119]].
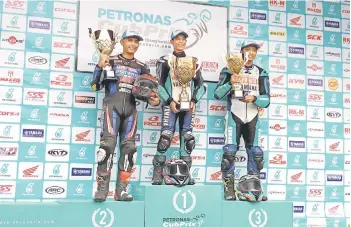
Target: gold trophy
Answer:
[[235, 63], [184, 69], [104, 41]]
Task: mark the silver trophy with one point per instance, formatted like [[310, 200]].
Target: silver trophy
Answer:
[[104, 41]]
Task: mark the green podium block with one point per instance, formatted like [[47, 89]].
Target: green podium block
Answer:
[[262, 214], [195, 205], [72, 214]]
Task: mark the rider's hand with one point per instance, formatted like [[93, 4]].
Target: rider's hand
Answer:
[[192, 107], [104, 59], [248, 99], [154, 100], [173, 106]]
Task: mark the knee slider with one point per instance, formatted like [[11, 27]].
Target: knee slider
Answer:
[[228, 160], [258, 157], [109, 145], [128, 149], [165, 141], [189, 142], [102, 156]]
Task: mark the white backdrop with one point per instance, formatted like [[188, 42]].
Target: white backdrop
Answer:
[[206, 26]]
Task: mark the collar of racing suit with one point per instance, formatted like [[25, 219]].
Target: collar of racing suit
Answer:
[[126, 59], [248, 68], [179, 54]]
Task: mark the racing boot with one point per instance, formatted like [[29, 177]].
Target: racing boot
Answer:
[[158, 163], [121, 193], [188, 161], [103, 183], [228, 186]]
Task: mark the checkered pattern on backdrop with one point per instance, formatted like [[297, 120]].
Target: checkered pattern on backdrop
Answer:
[[49, 116]]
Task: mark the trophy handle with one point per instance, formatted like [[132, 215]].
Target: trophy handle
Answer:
[[224, 57], [199, 65], [170, 57], [90, 31], [246, 57]]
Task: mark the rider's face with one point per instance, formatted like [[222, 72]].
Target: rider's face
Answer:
[[252, 52], [179, 43], [130, 45]]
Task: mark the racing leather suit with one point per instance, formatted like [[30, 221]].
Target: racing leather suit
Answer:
[[119, 118], [243, 119], [168, 87]]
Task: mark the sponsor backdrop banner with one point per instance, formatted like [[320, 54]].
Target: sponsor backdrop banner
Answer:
[[155, 21], [50, 118]]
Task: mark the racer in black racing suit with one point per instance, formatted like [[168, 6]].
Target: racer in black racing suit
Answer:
[[169, 94], [242, 119], [119, 116]]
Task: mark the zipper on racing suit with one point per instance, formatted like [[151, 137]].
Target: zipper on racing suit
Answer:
[[124, 102], [248, 88], [124, 96]]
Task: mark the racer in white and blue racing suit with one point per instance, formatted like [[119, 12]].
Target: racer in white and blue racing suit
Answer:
[[243, 120], [169, 89]]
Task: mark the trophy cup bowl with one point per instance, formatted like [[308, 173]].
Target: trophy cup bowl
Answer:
[[184, 68], [235, 63], [104, 41]]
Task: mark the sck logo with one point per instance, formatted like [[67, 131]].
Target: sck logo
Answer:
[[219, 108], [315, 37]]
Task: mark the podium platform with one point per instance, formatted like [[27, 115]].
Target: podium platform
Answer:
[[263, 214], [72, 214], [161, 206], [183, 206]]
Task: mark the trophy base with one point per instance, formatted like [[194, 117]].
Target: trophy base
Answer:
[[184, 106], [109, 75], [238, 94]]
